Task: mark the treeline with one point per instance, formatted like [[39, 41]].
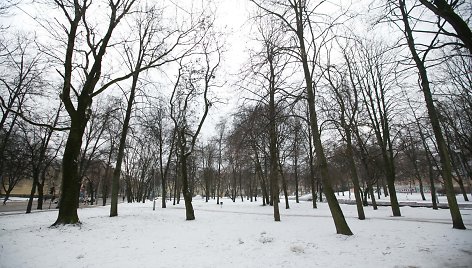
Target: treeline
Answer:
[[328, 106]]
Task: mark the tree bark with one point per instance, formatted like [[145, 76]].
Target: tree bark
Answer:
[[70, 187], [444, 10], [354, 176], [284, 186], [312, 168], [434, 197], [30, 200], [189, 213], [40, 195]]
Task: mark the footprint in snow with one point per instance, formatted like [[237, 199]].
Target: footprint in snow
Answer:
[[264, 240], [297, 249]]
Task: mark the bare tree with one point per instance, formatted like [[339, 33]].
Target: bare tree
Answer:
[[193, 80], [16, 168], [41, 157], [445, 160], [160, 128], [297, 17], [221, 127], [268, 77], [22, 79], [377, 77], [97, 41], [347, 97], [112, 136]]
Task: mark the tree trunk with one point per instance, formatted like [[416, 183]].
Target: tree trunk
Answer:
[[312, 170], [379, 190], [320, 190], [418, 177], [384, 187], [261, 178], [274, 173], [105, 186], [91, 192], [391, 187], [365, 202], [30, 200], [240, 186], [284, 186], [372, 195], [420, 182], [189, 213], [175, 191], [164, 192], [70, 187], [354, 176], [40, 196], [296, 180], [462, 188]]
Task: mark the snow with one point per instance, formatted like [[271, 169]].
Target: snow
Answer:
[[241, 234], [18, 199]]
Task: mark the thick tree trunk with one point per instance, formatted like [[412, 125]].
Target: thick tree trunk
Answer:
[[372, 196], [70, 187], [164, 192], [40, 196], [390, 170], [365, 202], [189, 213], [31, 197]]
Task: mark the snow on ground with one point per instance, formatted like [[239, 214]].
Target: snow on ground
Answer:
[[400, 196], [18, 199], [235, 235]]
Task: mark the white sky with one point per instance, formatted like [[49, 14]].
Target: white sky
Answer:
[[232, 18]]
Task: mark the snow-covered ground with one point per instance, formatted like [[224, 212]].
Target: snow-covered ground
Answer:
[[18, 199], [235, 235]]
